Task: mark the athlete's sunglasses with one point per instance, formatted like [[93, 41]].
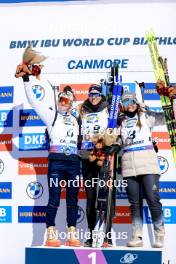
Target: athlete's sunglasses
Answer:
[[94, 94], [128, 102]]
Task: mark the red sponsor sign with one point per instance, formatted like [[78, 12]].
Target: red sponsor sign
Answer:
[[122, 215], [32, 166], [82, 193], [80, 90], [6, 142], [162, 139]]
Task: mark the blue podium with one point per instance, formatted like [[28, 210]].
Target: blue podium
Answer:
[[69, 255]]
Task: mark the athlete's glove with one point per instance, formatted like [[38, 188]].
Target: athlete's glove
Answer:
[[112, 149], [172, 92], [161, 88]]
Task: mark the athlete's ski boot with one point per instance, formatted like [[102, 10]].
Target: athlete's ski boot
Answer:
[[107, 243], [72, 241], [88, 242], [135, 242], [159, 239], [52, 237]]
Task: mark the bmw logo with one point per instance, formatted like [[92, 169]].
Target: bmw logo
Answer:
[[81, 215], [34, 190], [39, 92], [1, 166], [163, 163]]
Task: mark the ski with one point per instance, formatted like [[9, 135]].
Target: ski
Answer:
[[160, 74], [166, 74], [116, 95], [104, 199]]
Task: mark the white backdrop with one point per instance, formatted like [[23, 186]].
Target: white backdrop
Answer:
[[97, 33]]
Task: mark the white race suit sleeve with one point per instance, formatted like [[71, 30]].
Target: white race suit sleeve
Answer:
[[41, 97]]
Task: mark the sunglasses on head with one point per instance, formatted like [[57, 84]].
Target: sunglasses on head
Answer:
[[128, 102], [94, 94]]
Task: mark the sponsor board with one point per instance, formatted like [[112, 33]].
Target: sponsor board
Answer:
[[5, 214], [162, 140], [6, 94], [169, 213], [31, 214], [122, 215], [6, 118], [150, 92], [37, 214], [33, 166], [28, 117], [5, 190], [6, 142], [32, 141], [167, 190]]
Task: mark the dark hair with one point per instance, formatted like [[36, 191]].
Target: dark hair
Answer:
[[95, 87], [67, 89]]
